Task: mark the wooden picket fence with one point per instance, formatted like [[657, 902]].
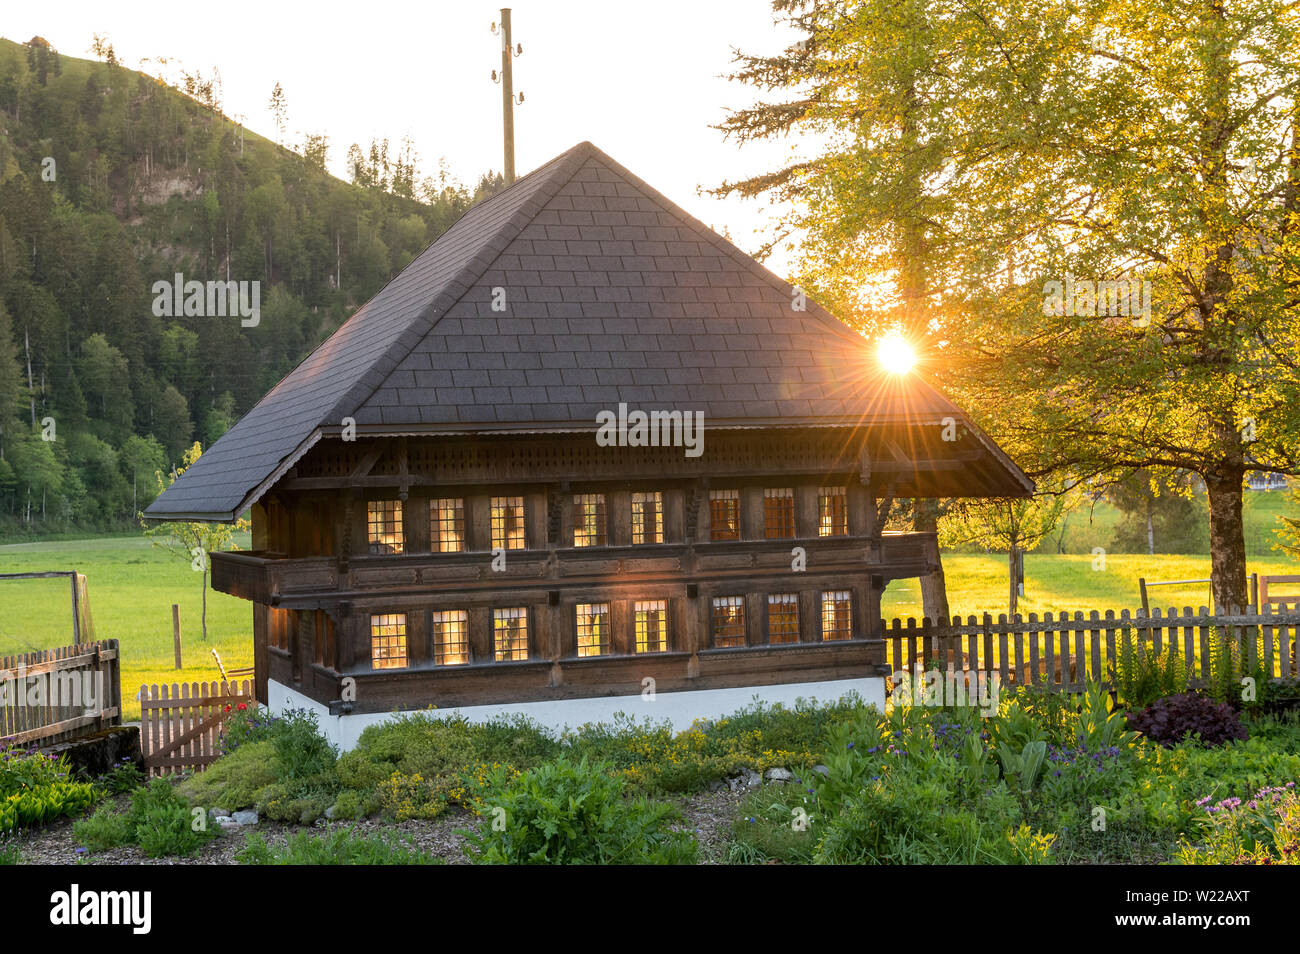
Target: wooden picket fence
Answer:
[[1069, 650], [180, 728], [54, 695]]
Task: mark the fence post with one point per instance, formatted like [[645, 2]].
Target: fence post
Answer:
[[1142, 589], [176, 632]]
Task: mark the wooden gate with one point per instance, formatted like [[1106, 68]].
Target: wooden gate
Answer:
[[180, 728]]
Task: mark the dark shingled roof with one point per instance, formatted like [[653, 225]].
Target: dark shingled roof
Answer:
[[605, 292]]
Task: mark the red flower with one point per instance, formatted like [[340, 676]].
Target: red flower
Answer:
[[242, 706], [227, 707]]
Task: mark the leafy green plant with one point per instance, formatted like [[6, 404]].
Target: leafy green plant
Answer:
[[343, 846], [1264, 829], [1142, 675], [566, 812], [158, 819], [10, 852], [1021, 769], [36, 789]]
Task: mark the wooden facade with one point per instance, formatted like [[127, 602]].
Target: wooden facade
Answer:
[[765, 554]]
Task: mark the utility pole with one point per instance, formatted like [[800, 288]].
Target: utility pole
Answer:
[[507, 80]]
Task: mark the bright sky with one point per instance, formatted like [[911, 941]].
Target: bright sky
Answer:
[[641, 81]]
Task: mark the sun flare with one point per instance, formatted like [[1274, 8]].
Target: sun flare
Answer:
[[896, 354]]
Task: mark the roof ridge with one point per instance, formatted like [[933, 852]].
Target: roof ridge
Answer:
[[454, 290]]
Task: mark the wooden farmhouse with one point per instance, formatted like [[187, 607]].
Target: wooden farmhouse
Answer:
[[582, 455]]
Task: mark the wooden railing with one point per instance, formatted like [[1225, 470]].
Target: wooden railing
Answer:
[[1067, 650], [53, 695]]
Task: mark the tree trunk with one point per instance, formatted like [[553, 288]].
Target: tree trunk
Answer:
[[204, 615], [1151, 528], [934, 588], [1015, 573], [1227, 539]]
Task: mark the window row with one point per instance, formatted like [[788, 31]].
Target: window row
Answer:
[[593, 628], [590, 519]]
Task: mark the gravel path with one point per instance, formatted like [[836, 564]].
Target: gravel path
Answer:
[[708, 814]]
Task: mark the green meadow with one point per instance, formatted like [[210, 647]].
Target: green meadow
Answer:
[[133, 584]]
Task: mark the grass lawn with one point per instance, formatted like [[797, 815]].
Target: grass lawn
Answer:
[[132, 586], [977, 583]]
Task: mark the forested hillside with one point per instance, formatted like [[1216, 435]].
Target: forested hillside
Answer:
[[111, 180]]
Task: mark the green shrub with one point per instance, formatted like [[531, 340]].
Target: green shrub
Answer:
[[36, 789], [340, 847], [234, 781], [355, 805], [1142, 675], [158, 819], [566, 812], [121, 778], [10, 852]]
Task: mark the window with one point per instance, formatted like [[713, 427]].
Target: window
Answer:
[[510, 633], [388, 641], [593, 629], [325, 640], [724, 514], [447, 524], [832, 512], [507, 523], [384, 521], [783, 618], [648, 518], [589, 520], [450, 637], [836, 621], [651, 620], [728, 621], [778, 512]]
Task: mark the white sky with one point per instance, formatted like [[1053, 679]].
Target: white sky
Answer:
[[642, 81]]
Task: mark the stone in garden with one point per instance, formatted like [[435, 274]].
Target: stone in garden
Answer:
[[218, 813], [778, 775], [329, 813], [245, 818], [821, 770]]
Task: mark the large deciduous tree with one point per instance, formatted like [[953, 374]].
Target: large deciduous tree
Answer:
[[1151, 146]]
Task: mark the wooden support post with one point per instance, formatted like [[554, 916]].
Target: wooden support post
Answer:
[[1142, 590], [176, 632]]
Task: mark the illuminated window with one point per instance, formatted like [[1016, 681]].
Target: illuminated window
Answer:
[[832, 512], [778, 512], [724, 514], [783, 618], [836, 622], [648, 518], [388, 641], [651, 620], [510, 633], [593, 629], [728, 621], [384, 520], [589, 520], [447, 524], [507, 523], [450, 637]]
